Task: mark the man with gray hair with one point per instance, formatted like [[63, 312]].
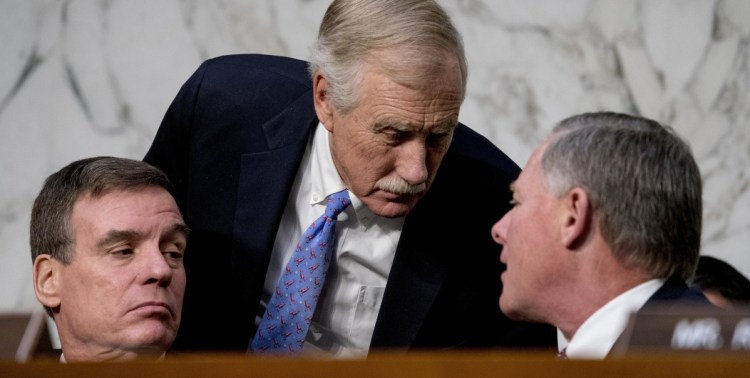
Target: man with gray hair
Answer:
[[107, 241], [606, 219], [367, 135]]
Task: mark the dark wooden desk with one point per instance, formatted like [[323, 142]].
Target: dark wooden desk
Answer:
[[461, 364]]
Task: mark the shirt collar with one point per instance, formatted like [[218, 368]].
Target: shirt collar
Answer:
[[596, 336], [326, 180]]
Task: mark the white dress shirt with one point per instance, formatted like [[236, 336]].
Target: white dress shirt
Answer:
[[596, 336], [365, 245]]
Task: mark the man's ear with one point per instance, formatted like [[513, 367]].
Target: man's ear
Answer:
[[322, 102], [577, 218], [47, 280]]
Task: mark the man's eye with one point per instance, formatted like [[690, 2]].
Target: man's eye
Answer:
[[173, 255], [394, 134], [123, 252], [437, 138], [514, 202]]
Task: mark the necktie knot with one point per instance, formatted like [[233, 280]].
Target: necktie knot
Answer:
[[336, 203]]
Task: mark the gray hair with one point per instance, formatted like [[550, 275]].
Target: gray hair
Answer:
[[643, 183], [50, 216], [353, 30]]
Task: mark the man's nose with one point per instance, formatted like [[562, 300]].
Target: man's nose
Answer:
[[157, 269], [500, 229], [412, 166]]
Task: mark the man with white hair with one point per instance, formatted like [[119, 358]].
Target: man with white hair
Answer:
[[367, 135]]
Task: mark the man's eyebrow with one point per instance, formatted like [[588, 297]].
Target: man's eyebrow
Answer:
[[389, 123], [115, 236], [446, 126], [179, 228], [513, 186], [442, 127]]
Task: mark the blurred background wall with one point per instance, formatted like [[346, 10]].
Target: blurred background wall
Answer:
[[80, 78]]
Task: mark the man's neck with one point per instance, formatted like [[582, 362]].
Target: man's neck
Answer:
[[591, 294], [72, 355]]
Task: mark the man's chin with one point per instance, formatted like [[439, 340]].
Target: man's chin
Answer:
[[153, 337], [516, 311], [508, 309]]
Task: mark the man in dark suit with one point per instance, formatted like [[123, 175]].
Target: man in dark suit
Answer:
[[254, 148], [606, 220]]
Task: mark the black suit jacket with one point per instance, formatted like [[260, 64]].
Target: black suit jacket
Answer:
[[673, 293], [232, 141]]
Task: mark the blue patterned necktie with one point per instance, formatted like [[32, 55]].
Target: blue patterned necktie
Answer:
[[288, 314]]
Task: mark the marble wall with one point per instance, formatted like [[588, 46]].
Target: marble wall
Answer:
[[82, 78]]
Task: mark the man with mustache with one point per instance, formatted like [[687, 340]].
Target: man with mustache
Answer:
[[258, 146], [107, 242]]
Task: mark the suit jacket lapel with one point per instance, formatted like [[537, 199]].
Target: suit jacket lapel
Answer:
[[417, 274], [266, 177]]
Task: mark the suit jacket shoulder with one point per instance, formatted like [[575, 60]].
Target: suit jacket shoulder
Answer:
[[676, 292]]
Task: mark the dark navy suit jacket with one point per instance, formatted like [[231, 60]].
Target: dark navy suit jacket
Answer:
[[676, 292], [232, 141]]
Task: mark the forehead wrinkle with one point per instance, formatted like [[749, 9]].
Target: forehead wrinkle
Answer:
[[427, 108]]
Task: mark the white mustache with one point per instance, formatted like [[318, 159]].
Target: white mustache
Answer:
[[399, 186]]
